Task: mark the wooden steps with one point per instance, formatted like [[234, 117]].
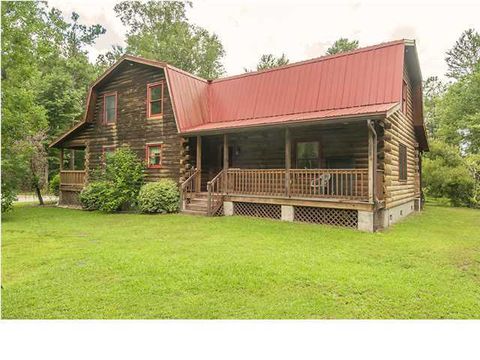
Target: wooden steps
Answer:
[[197, 205]]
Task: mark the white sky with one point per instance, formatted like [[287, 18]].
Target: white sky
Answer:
[[305, 29]]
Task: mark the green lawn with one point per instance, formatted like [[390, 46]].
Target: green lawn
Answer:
[[59, 263]]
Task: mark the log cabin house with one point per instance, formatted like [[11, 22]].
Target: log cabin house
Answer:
[[334, 140]]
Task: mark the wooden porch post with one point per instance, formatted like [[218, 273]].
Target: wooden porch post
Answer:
[[61, 159], [225, 162], [372, 161], [288, 160], [198, 183]]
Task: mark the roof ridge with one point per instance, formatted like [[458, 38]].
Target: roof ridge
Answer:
[[313, 60]]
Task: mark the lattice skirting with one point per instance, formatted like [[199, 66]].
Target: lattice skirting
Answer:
[[219, 212], [257, 210], [69, 198], [335, 217]]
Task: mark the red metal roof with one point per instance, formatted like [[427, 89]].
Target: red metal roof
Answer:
[[364, 77], [380, 109]]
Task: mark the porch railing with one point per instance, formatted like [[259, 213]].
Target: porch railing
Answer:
[[350, 184], [269, 182], [72, 178]]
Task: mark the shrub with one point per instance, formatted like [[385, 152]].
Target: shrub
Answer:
[[118, 186], [447, 174], [54, 185], [94, 194], [8, 197], [159, 197], [125, 171]]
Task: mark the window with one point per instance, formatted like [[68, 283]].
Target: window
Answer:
[[155, 100], [110, 108], [402, 162], [154, 156], [308, 155], [404, 97], [107, 151], [340, 162]]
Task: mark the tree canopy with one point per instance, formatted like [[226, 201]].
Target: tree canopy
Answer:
[[342, 45], [464, 58], [452, 116], [269, 61], [160, 30], [45, 75]]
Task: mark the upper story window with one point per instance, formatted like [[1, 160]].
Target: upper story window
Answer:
[[154, 155], [155, 100], [308, 155], [110, 108], [404, 97], [402, 162]]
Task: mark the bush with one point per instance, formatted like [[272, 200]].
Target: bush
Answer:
[[125, 171], [94, 194], [447, 174], [159, 197], [8, 197], [118, 186], [54, 185]]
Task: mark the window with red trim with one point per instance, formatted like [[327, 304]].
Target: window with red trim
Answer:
[[154, 155], [404, 97], [155, 100], [110, 108]]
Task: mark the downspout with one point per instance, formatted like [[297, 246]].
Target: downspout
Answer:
[[371, 127]]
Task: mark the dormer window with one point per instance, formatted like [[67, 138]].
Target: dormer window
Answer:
[[110, 108], [155, 100]]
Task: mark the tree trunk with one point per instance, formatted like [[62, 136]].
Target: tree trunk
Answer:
[[39, 193]]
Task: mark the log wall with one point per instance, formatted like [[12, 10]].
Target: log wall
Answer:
[[399, 129], [132, 127]]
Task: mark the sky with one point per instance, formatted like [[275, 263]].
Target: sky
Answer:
[[305, 29]]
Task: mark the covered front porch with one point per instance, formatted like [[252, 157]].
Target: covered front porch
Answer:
[[332, 165]]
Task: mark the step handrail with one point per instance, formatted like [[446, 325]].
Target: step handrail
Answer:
[[215, 194], [188, 187]]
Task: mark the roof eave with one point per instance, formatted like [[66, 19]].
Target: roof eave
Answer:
[[284, 124]]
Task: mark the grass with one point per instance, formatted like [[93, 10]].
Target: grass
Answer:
[[59, 263]]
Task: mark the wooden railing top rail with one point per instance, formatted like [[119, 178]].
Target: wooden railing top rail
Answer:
[[216, 177], [190, 178]]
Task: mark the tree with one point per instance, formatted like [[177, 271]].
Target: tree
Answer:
[[448, 174], [464, 58], [45, 73], [269, 61], [342, 45], [459, 114], [104, 61], [160, 30], [22, 116], [433, 89]]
